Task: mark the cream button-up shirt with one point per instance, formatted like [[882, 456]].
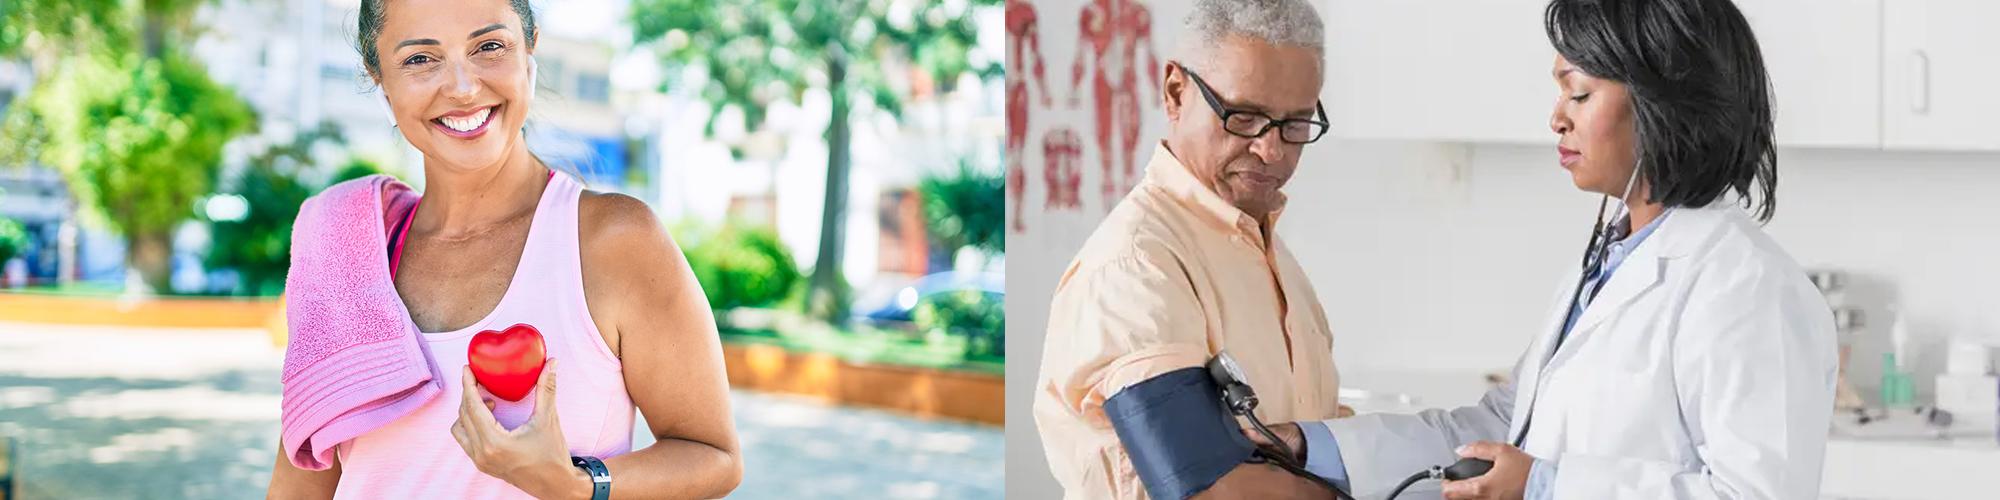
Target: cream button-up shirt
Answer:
[[1172, 276]]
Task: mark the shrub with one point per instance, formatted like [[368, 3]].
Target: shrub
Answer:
[[978, 316], [741, 267]]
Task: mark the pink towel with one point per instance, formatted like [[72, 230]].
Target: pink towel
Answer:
[[355, 360]]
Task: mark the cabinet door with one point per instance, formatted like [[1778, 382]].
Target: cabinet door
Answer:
[[1458, 70], [1941, 75], [1824, 58]]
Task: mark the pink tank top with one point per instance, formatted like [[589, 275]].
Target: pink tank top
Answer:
[[416, 457]]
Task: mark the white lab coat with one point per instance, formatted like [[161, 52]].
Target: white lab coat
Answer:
[[1704, 369]]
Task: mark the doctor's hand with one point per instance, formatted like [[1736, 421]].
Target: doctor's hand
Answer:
[[532, 457], [1507, 481]]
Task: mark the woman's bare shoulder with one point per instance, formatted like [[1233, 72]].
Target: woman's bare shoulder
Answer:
[[617, 216], [624, 244]]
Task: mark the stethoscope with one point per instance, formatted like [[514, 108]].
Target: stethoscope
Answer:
[[1594, 255], [1599, 248]]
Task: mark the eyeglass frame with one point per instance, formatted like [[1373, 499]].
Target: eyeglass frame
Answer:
[[1223, 113]]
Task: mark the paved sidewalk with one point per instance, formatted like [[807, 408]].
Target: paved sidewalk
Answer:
[[169, 413]]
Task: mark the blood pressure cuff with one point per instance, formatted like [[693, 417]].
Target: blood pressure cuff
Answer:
[[1180, 437]]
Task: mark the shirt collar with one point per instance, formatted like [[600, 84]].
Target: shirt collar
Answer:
[[1179, 183], [1625, 243]]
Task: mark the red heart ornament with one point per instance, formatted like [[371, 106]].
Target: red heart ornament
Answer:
[[507, 362]]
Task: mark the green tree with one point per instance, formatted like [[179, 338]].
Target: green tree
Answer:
[[757, 52], [135, 126], [259, 244]]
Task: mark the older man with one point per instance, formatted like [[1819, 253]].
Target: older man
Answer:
[[1187, 265]]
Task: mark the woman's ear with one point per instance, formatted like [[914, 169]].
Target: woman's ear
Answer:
[[387, 112]]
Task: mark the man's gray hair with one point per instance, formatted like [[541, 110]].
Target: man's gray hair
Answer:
[[1292, 23]]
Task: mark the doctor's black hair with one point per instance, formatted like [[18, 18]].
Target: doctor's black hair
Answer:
[[1701, 100]]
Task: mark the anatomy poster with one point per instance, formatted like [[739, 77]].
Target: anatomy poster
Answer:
[[1083, 95]]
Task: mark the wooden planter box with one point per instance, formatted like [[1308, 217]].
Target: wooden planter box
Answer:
[[919, 391], [180, 312]]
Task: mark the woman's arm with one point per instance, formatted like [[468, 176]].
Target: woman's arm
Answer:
[[289, 482], [638, 282]]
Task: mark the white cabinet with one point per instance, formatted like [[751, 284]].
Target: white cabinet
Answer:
[[1941, 75], [1824, 58], [1867, 74], [1461, 70]]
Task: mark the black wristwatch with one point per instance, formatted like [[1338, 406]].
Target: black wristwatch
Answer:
[[600, 477]]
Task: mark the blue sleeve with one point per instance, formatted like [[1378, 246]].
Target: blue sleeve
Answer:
[[1541, 481], [1323, 454]]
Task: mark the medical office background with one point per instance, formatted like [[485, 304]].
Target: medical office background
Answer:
[[1434, 219]]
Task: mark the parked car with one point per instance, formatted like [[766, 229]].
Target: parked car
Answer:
[[893, 307]]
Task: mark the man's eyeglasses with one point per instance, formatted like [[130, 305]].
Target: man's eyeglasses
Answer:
[[1252, 124]]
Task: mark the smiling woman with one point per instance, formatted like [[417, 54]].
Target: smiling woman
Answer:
[[458, 78]]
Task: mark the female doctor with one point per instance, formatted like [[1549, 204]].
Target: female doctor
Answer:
[[1689, 357]]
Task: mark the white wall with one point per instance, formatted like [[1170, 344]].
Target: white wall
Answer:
[[1436, 261], [1436, 257]]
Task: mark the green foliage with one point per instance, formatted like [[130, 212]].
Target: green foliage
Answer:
[[759, 51], [259, 246], [978, 316], [740, 267], [63, 22], [13, 239], [966, 208], [78, 26], [135, 126], [137, 138]]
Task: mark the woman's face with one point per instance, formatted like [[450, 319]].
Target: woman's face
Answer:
[[457, 78], [1593, 117]]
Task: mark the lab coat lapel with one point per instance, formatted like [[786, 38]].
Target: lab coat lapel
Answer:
[[1638, 274], [1645, 269]]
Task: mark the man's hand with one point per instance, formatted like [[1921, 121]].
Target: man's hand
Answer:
[[1507, 481], [1295, 441]]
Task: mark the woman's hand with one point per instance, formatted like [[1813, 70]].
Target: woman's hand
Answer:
[[532, 457], [1508, 480]]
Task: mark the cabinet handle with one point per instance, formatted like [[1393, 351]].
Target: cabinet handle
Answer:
[[1920, 84]]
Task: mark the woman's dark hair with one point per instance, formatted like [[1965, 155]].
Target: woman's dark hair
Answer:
[[371, 29], [1701, 101]]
